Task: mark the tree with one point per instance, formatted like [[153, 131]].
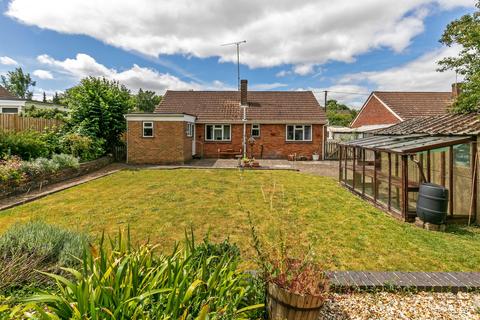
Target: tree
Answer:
[[339, 114], [18, 83], [57, 99], [146, 101], [44, 97], [97, 109], [465, 32]]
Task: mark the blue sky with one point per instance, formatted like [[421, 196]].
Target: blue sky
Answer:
[[158, 45]]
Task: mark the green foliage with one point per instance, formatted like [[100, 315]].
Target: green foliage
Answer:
[[26, 144], [57, 98], [83, 147], [146, 101], [97, 109], [10, 171], [118, 281], [339, 114], [465, 32], [32, 246], [46, 113], [18, 83]]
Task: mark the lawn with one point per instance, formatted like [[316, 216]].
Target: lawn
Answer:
[[313, 212]]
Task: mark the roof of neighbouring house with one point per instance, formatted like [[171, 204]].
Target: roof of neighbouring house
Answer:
[[5, 94], [446, 124], [409, 105], [265, 106]]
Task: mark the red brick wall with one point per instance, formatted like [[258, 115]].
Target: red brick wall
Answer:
[[169, 145], [272, 138], [374, 112]]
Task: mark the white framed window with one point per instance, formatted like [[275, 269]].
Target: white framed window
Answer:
[[218, 132], [148, 129], [301, 132], [255, 132], [190, 129], [9, 110]]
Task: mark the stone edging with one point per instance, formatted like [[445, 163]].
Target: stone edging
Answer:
[[57, 177], [416, 281]]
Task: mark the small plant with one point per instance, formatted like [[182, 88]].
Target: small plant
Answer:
[[66, 161], [82, 147], [119, 281], [25, 248]]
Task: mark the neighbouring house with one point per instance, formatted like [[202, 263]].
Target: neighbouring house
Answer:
[[213, 124], [384, 108], [387, 168], [10, 104]]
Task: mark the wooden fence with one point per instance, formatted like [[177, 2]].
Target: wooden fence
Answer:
[[332, 150], [14, 122]]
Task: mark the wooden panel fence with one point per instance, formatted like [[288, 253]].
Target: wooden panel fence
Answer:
[[14, 122], [332, 150]]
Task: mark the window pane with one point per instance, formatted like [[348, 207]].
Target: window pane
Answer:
[[9, 110], [289, 132], [209, 132], [226, 132], [298, 134], [217, 134], [148, 132], [308, 132]]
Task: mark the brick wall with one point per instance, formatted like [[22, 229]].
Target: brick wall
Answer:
[[374, 112], [169, 145], [272, 138]]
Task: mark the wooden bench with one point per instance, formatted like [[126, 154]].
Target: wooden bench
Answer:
[[228, 152]]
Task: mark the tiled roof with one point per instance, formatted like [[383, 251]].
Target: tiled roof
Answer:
[[265, 106], [408, 105], [447, 124], [5, 94]]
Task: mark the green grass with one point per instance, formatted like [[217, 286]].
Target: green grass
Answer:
[[342, 231]]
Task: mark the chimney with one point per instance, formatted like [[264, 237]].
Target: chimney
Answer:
[[456, 90], [243, 92]]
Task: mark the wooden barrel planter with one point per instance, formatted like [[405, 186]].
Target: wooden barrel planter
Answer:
[[284, 305]]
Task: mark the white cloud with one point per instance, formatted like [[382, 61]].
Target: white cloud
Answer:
[[417, 75], [134, 78], [283, 73], [300, 33], [304, 69], [8, 61], [43, 74]]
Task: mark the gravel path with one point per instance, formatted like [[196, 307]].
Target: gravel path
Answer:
[[403, 306]]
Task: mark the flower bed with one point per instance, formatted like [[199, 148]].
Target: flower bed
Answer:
[[17, 177]]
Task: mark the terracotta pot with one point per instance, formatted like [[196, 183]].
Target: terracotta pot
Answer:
[[284, 305]]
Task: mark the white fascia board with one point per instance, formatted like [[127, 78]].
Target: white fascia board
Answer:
[[159, 117], [12, 103]]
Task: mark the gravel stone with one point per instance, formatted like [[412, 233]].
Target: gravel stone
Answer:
[[384, 305]]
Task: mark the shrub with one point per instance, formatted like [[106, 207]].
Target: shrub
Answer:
[[55, 113], [134, 283], [82, 147], [26, 144], [10, 171], [66, 161], [25, 248]]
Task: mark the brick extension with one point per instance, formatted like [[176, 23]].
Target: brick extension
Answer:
[[421, 281]]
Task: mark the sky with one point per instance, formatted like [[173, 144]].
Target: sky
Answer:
[[349, 48]]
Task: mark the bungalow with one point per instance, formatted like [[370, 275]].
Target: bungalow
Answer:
[[388, 108], [213, 124], [12, 105]]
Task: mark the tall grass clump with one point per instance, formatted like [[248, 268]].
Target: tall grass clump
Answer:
[[26, 248], [119, 281]]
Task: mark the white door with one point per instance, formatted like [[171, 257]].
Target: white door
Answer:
[[193, 140]]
